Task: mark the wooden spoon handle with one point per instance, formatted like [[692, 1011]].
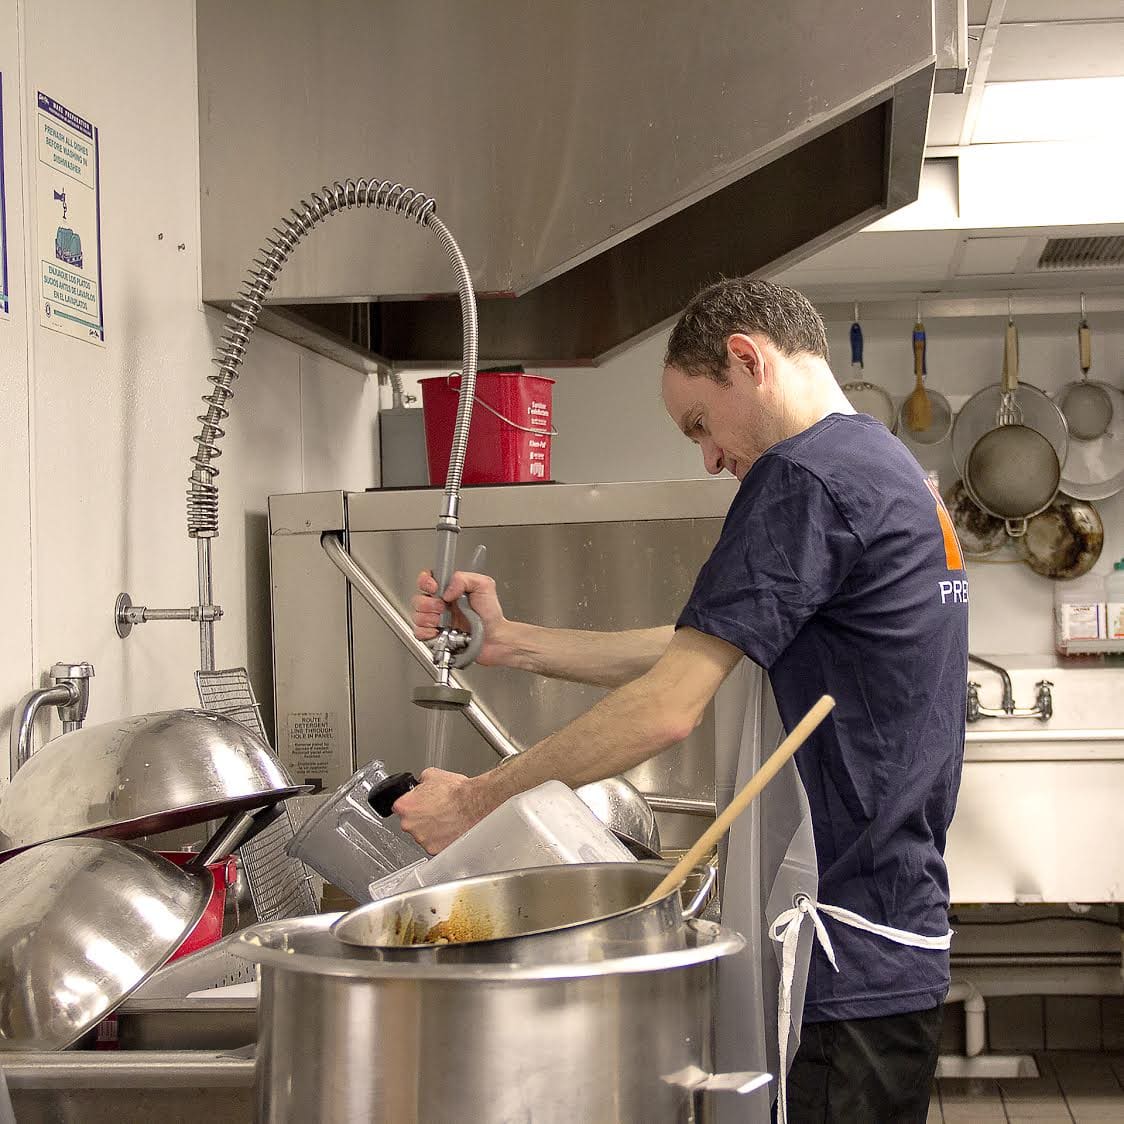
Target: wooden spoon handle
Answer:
[[919, 353], [1085, 348], [743, 799], [1011, 358]]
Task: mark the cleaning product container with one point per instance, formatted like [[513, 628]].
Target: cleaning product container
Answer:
[[544, 826], [350, 846], [1114, 602], [509, 442]]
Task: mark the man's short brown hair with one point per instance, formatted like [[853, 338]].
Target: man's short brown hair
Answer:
[[742, 304]]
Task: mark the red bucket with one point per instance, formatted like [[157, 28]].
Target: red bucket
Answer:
[[509, 440]]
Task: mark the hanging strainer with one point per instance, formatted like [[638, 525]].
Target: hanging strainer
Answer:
[[1086, 404]]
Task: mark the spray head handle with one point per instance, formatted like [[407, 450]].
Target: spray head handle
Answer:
[[463, 648]]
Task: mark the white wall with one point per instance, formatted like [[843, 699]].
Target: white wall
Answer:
[[612, 426], [96, 445]]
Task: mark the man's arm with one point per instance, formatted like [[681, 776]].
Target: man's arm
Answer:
[[604, 659], [635, 722]]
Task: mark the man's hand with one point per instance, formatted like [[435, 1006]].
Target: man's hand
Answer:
[[481, 591], [441, 809]]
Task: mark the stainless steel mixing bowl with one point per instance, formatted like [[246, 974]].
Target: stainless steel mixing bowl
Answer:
[[83, 922], [139, 776]]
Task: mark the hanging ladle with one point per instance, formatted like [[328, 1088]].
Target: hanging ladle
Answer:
[[803, 729]]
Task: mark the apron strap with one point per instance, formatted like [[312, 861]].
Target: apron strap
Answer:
[[785, 930]]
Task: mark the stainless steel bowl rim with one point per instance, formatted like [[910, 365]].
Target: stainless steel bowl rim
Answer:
[[119, 831], [264, 945], [406, 896], [148, 957], [140, 775]]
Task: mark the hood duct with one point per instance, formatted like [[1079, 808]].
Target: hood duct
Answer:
[[599, 160]]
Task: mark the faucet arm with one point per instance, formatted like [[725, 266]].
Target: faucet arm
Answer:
[[23, 720], [69, 691], [1008, 703]]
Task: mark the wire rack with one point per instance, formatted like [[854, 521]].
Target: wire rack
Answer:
[[279, 885]]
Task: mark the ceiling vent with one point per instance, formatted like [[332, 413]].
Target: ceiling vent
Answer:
[[1083, 253]]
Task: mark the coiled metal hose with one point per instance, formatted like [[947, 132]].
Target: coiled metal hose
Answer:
[[385, 195]]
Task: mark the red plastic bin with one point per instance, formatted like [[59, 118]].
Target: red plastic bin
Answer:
[[512, 426]]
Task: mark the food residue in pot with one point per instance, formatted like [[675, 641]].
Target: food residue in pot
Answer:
[[462, 925]]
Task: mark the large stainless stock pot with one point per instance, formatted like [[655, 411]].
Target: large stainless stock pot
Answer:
[[343, 1037]]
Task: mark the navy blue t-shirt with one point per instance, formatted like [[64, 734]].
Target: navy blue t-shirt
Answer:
[[838, 571]]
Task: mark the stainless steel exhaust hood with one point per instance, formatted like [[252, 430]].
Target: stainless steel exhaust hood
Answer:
[[599, 160]]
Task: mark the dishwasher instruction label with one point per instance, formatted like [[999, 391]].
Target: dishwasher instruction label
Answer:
[[312, 736], [4, 306], [68, 203]]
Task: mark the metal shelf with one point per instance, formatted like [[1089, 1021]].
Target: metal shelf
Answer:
[[836, 303], [1092, 648]]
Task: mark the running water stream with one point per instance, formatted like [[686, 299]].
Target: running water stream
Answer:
[[437, 738]]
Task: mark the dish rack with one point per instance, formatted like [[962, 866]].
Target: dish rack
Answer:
[[279, 885]]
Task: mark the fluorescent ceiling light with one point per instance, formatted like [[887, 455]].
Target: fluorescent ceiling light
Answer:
[[1064, 109]]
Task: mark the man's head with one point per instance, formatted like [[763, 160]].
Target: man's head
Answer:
[[746, 367]]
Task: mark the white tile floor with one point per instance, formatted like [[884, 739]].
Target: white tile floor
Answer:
[[1074, 1087]]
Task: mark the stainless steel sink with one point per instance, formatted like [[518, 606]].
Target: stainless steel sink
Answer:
[[179, 1061]]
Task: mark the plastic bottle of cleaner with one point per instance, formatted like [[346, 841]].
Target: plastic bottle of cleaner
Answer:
[[1114, 596]]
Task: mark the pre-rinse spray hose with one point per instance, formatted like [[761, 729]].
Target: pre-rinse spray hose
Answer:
[[202, 495]]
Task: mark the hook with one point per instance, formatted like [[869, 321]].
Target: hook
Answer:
[[1083, 308], [856, 317], [918, 310], [1010, 319]]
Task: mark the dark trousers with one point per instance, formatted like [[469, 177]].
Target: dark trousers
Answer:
[[865, 1071]]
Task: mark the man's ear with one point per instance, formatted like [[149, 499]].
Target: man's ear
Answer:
[[745, 355]]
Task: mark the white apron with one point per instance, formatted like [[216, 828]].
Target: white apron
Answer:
[[769, 883], [768, 860]]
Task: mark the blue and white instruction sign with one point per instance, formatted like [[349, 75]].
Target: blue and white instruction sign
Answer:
[[4, 302], [68, 202]]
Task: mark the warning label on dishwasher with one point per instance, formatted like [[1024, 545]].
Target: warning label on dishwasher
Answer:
[[312, 735]]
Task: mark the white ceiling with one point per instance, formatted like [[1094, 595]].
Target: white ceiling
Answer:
[[990, 200]]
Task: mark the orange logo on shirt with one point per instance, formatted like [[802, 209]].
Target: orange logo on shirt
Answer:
[[953, 557]]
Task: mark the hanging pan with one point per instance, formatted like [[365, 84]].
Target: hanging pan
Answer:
[[980, 534], [1064, 541], [867, 397], [1013, 470]]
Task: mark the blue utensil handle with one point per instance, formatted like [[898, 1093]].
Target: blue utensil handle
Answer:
[[919, 346], [856, 344]]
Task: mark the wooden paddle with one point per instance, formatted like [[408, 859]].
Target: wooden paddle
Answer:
[[918, 408], [743, 799]]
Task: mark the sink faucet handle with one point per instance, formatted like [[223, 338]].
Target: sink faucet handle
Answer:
[[973, 702], [76, 676], [65, 670], [1045, 699]]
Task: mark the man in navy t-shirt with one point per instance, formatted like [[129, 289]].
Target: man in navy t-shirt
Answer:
[[838, 572]]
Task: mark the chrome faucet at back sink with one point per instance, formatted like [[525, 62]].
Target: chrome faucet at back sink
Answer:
[[1043, 708]]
